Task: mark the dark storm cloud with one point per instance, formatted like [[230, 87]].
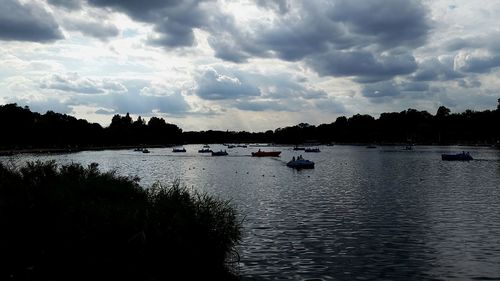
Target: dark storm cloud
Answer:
[[391, 89], [173, 20], [362, 65], [27, 22], [330, 105], [414, 87], [367, 40], [469, 82], [489, 41], [223, 83], [434, 69], [213, 85], [476, 54], [480, 64], [389, 22], [381, 89]]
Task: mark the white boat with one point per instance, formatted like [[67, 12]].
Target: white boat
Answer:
[[300, 163], [205, 149], [219, 153]]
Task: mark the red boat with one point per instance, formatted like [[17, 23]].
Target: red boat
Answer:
[[266, 153]]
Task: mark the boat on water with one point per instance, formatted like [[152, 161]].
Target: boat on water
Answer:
[[300, 163], [311, 150], [299, 148], [219, 153], [371, 146], [205, 149], [463, 156], [145, 150], [231, 146], [266, 153], [179, 149], [139, 149], [242, 145]]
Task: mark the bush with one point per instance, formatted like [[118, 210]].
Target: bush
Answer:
[[77, 223]]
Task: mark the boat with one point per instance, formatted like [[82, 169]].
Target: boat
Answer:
[[242, 145], [299, 148], [311, 150], [139, 149], [266, 153], [408, 147], [205, 149], [145, 150], [219, 153], [231, 146], [463, 156], [179, 150], [371, 146], [300, 163]]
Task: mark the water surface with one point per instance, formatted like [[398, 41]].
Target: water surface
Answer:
[[363, 214]]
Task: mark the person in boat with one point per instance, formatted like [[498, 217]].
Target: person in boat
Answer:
[[259, 149], [293, 158]]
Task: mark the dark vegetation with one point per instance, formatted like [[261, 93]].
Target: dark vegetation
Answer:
[[76, 223], [23, 129]]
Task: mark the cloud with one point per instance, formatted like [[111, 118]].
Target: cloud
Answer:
[[381, 89], [261, 106], [369, 41], [477, 63], [174, 21], [42, 105], [363, 65], [141, 97], [330, 105], [414, 86], [280, 6], [72, 82], [389, 23], [212, 85], [27, 22], [67, 4], [437, 69], [104, 111], [93, 28]]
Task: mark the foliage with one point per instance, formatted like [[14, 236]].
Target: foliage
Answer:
[[77, 223], [23, 129]]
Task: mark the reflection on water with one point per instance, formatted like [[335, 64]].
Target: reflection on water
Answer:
[[362, 213]]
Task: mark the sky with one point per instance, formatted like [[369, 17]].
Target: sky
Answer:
[[248, 65]]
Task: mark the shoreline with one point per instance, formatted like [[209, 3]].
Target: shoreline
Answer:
[[11, 152]]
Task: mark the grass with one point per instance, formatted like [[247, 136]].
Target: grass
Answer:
[[77, 223]]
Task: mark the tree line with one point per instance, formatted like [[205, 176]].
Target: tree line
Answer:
[[21, 128]]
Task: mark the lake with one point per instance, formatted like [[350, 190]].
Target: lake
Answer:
[[382, 213]]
